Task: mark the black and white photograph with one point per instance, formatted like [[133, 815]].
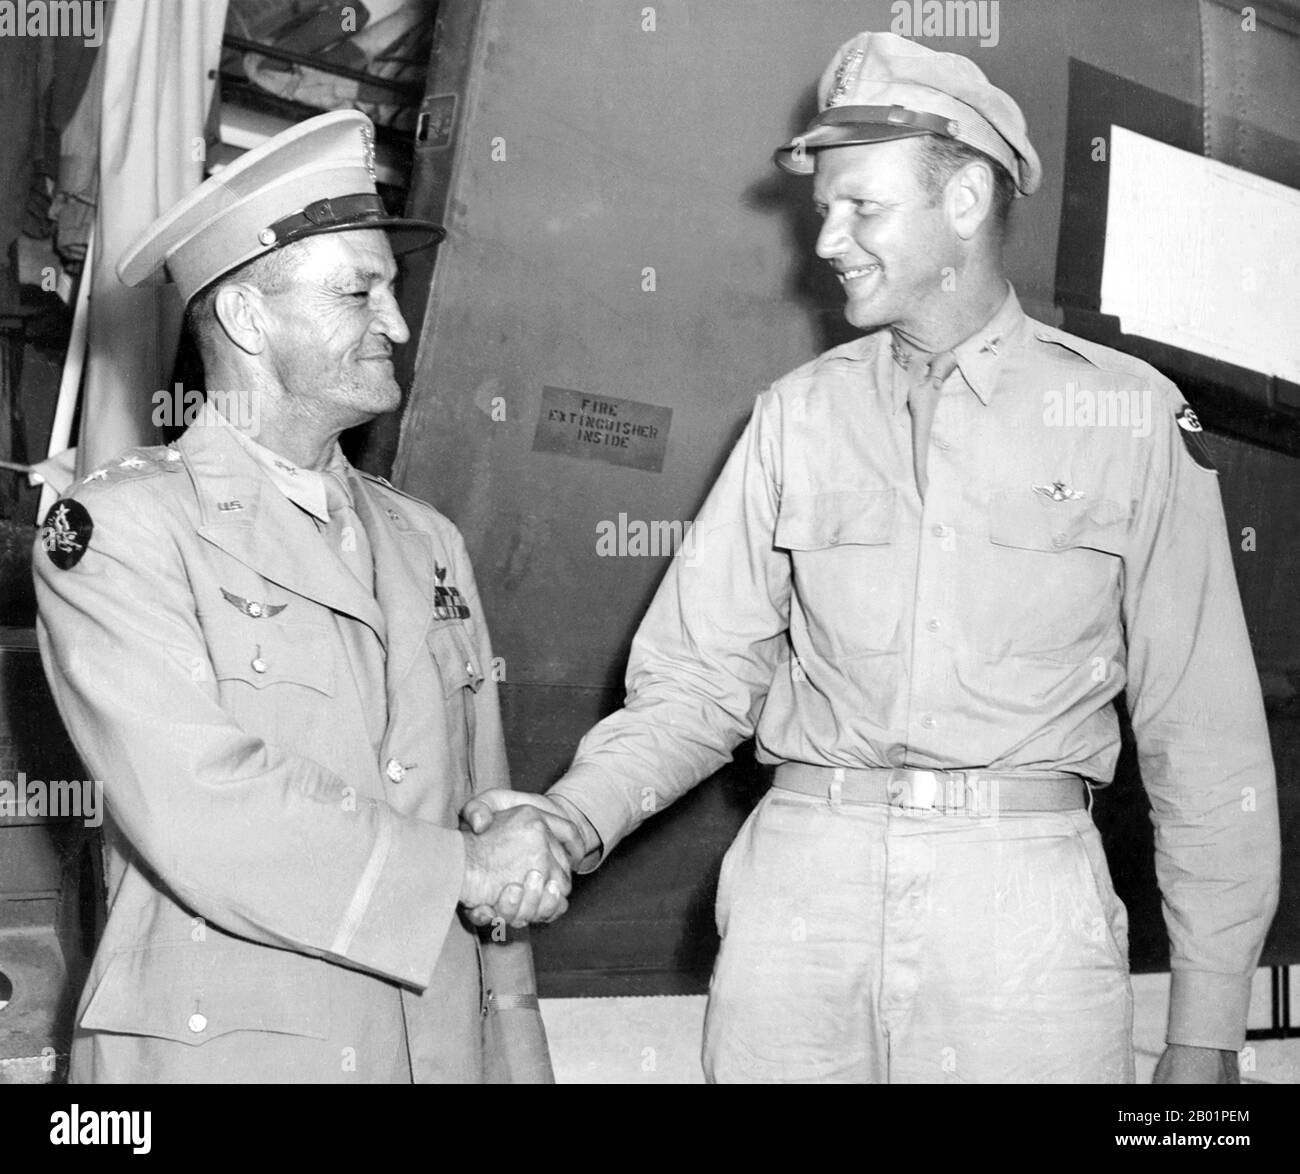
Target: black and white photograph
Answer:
[[594, 542]]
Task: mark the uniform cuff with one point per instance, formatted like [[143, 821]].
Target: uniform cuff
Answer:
[[1208, 1010], [602, 804], [400, 929], [591, 841]]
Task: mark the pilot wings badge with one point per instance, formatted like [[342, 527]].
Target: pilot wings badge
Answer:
[[251, 607], [1058, 491]]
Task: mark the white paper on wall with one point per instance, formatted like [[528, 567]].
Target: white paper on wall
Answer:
[[1202, 256]]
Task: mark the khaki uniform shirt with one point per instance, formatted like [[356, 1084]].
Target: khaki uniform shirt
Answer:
[[1057, 559]]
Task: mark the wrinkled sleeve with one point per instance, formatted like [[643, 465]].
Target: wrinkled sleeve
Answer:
[[1203, 745], [260, 841], [704, 655]]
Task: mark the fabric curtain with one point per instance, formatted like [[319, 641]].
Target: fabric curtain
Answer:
[[160, 57]]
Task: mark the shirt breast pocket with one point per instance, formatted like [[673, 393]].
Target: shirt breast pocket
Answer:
[[1057, 571], [843, 550]]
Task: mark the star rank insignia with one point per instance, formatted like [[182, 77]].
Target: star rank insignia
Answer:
[[66, 533], [131, 463], [251, 607]]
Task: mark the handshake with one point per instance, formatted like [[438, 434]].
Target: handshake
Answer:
[[520, 852]]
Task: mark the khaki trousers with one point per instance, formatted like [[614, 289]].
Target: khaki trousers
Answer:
[[863, 943]]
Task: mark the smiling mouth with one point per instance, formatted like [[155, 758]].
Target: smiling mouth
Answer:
[[847, 275]]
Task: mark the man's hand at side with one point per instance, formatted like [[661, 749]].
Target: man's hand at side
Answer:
[[519, 843]]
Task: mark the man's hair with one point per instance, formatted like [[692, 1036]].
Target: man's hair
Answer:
[[271, 273], [938, 159]]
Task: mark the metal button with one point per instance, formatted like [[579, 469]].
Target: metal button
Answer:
[[469, 667], [834, 538], [395, 771], [1058, 539], [939, 531], [254, 609], [928, 722], [258, 665], [934, 625], [197, 1023]]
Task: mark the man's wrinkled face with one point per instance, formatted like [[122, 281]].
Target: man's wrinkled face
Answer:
[[887, 242], [333, 328]]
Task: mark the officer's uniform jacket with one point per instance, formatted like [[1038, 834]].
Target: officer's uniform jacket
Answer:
[[1071, 544], [283, 876]]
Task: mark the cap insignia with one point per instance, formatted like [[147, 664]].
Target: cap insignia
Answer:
[[846, 75], [368, 145]]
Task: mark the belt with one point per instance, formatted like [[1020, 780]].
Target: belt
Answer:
[[948, 792]]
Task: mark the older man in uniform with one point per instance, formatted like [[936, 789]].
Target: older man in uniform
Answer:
[[278, 667], [922, 591]]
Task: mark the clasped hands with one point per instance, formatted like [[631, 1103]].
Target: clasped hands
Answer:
[[520, 852]]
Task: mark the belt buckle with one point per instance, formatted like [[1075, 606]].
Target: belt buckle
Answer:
[[946, 792], [915, 790]]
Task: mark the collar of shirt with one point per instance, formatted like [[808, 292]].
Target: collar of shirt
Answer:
[[304, 487], [978, 356]]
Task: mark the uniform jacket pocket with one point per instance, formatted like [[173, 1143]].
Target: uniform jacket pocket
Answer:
[[1024, 519], [848, 592], [263, 653], [1060, 564], [819, 521], [456, 655], [192, 993]]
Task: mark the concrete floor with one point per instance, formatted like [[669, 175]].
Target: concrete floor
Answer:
[[657, 1040]]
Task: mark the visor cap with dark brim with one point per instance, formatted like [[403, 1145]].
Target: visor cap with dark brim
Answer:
[[316, 177], [881, 86]]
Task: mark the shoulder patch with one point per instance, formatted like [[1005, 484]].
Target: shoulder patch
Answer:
[[66, 533], [1189, 428]]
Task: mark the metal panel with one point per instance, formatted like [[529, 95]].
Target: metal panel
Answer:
[[617, 229]]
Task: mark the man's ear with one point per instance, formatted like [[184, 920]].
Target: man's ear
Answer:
[[241, 311], [969, 198]]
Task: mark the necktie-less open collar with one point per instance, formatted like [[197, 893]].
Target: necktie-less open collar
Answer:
[[978, 357]]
